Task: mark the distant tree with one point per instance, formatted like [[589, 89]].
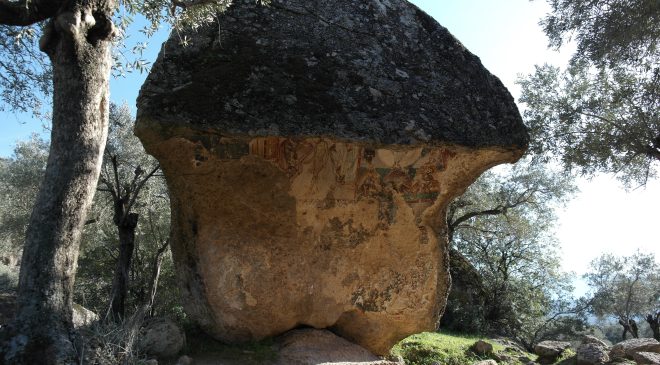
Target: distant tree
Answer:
[[502, 226], [20, 178], [125, 173], [653, 319], [625, 288], [602, 113]]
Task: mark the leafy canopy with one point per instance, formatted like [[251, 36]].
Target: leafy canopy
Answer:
[[25, 74], [601, 113], [624, 287], [503, 225]]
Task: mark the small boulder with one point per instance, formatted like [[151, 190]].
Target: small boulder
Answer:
[[482, 348], [184, 360], [592, 354], [151, 362], [595, 340], [551, 349], [502, 357], [312, 346], [626, 349], [486, 362], [647, 358], [161, 337], [83, 316]]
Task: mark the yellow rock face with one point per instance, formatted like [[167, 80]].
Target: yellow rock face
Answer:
[[274, 233]]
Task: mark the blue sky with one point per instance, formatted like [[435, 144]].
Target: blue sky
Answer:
[[509, 41]]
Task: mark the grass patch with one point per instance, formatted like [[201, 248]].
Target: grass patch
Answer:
[[448, 348], [445, 348]]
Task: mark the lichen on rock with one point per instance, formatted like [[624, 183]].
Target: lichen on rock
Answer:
[[311, 149]]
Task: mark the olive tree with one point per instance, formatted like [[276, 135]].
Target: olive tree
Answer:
[[626, 288], [503, 227], [600, 113], [76, 36]]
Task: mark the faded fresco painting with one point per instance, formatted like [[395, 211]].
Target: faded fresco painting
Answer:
[[348, 171]]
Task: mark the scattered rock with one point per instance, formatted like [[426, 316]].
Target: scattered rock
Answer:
[[646, 358], [592, 353], [161, 337], [397, 359], [486, 362], [312, 347], [184, 360], [322, 207], [482, 348], [626, 349], [83, 316], [551, 348], [151, 362], [549, 351], [595, 340]]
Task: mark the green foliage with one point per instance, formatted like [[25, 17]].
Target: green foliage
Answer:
[[24, 71], [429, 347], [100, 246], [600, 114], [595, 119], [503, 226], [624, 287], [451, 349], [20, 178], [613, 32], [8, 278]]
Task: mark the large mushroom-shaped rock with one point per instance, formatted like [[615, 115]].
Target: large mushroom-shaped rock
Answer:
[[311, 149]]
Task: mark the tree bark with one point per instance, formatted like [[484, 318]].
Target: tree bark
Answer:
[[628, 326], [654, 323], [76, 40], [126, 229]]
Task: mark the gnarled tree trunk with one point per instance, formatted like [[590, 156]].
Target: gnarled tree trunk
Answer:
[[76, 40], [654, 323]]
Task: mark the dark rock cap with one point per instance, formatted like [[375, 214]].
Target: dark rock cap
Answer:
[[379, 71]]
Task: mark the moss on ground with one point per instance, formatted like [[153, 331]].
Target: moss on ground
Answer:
[[429, 348]]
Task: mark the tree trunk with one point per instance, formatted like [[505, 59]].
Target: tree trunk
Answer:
[[76, 42], [654, 323], [633, 328], [126, 230], [629, 326]]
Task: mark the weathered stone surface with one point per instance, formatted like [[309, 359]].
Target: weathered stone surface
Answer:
[[376, 71], [626, 349], [646, 358], [593, 339], [310, 149], [83, 316], [315, 347], [551, 349], [592, 353], [161, 337]]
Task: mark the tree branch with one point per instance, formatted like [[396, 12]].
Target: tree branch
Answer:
[[24, 13], [139, 187]]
